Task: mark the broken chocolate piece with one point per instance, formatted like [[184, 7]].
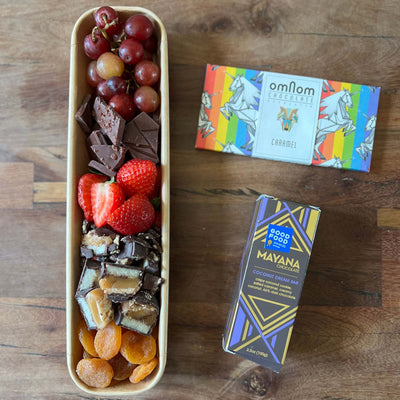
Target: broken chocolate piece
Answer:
[[95, 138], [84, 114], [152, 283], [120, 282], [133, 248], [102, 168], [110, 121], [141, 137], [151, 263], [110, 155], [138, 314]]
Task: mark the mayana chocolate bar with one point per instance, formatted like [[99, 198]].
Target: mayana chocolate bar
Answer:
[[288, 118], [270, 281]]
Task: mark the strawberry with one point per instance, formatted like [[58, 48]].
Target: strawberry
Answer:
[[134, 216], [137, 176], [157, 185], [84, 195], [106, 197]]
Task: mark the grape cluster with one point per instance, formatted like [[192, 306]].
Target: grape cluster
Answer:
[[122, 68]]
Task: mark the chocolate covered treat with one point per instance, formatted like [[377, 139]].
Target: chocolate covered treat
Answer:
[[138, 314], [84, 114], [133, 248], [120, 282], [101, 241], [111, 123], [152, 283]]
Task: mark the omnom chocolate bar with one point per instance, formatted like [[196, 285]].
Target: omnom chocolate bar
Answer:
[[288, 118]]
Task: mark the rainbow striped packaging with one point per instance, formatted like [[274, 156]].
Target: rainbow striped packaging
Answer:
[[287, 118], [270, 281]]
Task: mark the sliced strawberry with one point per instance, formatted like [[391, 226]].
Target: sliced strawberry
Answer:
[[137, 176], [84, 194], [134, 216], [106, 197]]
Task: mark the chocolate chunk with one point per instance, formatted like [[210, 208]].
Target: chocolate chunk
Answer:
[[153, 238], [120, 282], [141, 137], [110, 155], [102, 168], [96, 137], [110, 121], [152, 283], [141, 153], [133, 248], [152, 263], [84, 114], [138, 314]]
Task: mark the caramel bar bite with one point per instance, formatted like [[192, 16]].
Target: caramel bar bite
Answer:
[[138, 314], [120, 282]]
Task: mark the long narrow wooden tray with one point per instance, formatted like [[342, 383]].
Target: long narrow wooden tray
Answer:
[[77, 166]]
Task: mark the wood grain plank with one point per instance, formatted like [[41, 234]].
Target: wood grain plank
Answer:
[[49, 192], [17, 185], [390, 268], [33, 251], [389, 218]]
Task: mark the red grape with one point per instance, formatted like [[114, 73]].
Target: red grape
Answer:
[[150, 44], [147, 73], [92, 76], [109, 64], [104, 91], [107, 18], [147, 55], [95, 45], [131, 51], [146, 99], [124, 105], [138, 27], [117, 85]]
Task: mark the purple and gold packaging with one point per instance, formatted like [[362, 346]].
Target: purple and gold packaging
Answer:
[[270, 281]]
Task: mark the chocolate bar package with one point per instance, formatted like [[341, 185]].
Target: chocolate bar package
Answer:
[[270, 281], [288, 118]]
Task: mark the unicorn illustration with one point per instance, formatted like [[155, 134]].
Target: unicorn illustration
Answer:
[[204, 125], [365, 148], [230, 148], [242, 103], [334, 162], [335, 117]]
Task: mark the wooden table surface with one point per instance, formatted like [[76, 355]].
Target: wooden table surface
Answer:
[[346, 340]]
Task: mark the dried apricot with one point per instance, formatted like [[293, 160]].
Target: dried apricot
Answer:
[[122, 368], [137, 348], [107, 341], [143, 370], [86, 338], [95, 372]]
